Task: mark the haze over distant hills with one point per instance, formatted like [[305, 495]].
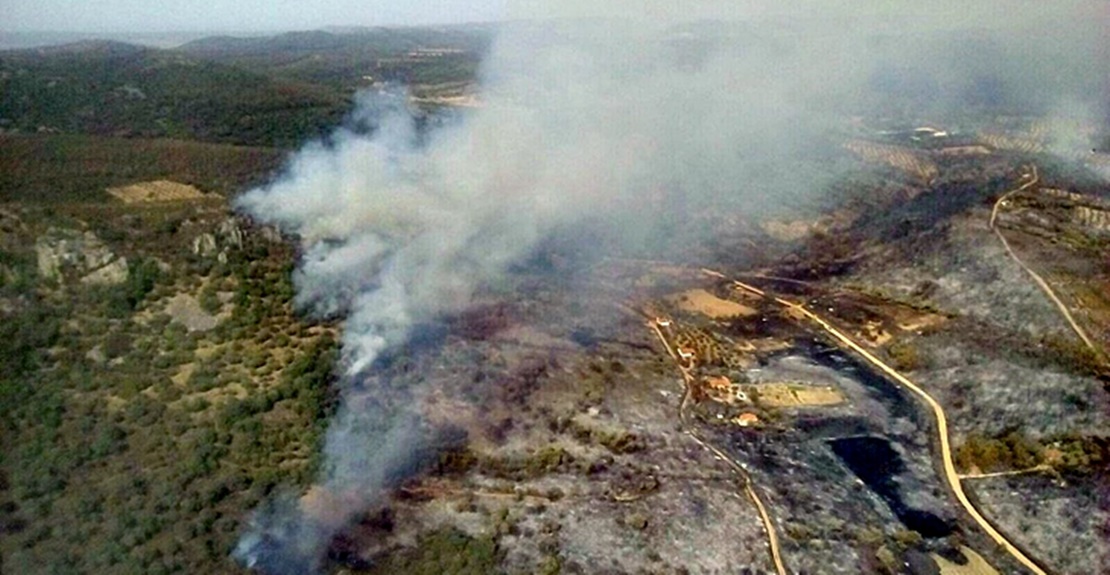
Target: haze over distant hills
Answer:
[[19, 40], [275, 90]]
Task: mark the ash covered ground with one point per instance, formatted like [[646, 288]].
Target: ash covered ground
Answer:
[[580, 458]]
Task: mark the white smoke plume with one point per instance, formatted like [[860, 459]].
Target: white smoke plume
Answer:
[[582, 118], [577, 121]]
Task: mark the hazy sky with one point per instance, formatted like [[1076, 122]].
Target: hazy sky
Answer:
[[244, 15], [273, 15]]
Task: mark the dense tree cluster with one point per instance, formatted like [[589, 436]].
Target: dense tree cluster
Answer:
[[1071, 453], [112, 461]]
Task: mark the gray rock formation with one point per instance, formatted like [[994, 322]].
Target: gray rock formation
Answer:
[[114, 273], [231, 234], [61, 252], [204, 245], [270, 234]]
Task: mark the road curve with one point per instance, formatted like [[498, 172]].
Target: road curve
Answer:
[[950, 474]]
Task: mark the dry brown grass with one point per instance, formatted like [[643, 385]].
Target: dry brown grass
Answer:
[[183, 374], [709, 305], [965, 151], [796, 395], [787, 231], [1013, 143], [874, 335], [976, 565], [921, 322], [157, 191], [896, 157]]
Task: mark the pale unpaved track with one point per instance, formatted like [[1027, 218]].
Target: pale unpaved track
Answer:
[[1036, 277], [1039, 468], [749, 488], [950, 474]]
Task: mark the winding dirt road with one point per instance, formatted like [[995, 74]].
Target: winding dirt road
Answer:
[[749, 488], [1034, 180], [953, 478], [1042, 468]]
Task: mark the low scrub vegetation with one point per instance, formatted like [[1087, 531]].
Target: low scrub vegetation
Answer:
[[110, 462], [45, 168], [1014, 451]]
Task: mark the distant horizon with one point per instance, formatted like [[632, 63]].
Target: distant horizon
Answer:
[[27, 39], [251, 18], [244, 31], [29, 32], [233, 16]]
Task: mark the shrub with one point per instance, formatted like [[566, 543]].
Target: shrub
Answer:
[[1006, 453], [117, 344], [904, 356], [204, 379], [141, 278], [109, 440], [447, 552], [196, 404], [210, 299]]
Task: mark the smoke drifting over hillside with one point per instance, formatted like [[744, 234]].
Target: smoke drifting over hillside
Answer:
[[582, 119]]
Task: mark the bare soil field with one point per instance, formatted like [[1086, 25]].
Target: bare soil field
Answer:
[[975, 565], [795, 395], [157, 191], [709, 305]]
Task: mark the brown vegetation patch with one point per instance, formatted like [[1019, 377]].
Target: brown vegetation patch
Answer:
[[965, 151], [896, 157], [1012, 143], [976, 565], [795, 395], [183, 374], [787, 231], [874, 334], [482, 322], [719, 389], [461, 101], [709, 305], [157, 191], [186, 310], [921, 322]]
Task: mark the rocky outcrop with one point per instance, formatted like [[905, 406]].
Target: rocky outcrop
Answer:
[[60, 253], [270, 234], [229, 235], [204, 245], [187, 311], [114, 273]]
